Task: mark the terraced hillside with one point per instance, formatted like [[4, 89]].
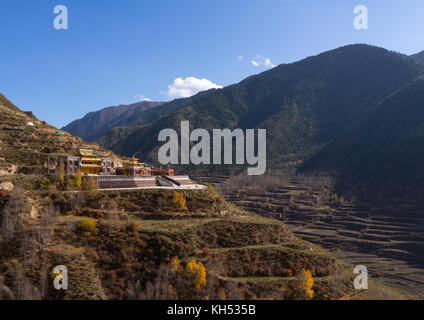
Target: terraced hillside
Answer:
[[31, 149], [137, 232], [386, 235]]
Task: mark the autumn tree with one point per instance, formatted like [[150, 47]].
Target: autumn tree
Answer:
[[87, 226], [301, 289], [176, 281], [196, 271], [307, 282], [175, 264], [179, 199], [89, 183], [61, 173], [78, 179]]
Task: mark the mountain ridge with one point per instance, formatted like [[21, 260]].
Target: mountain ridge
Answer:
[[299, 107], [95, 123]]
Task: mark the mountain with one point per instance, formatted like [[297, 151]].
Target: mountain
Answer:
[[95, 124], [385, 149], [418, 57], [122, 128], [304, 105]]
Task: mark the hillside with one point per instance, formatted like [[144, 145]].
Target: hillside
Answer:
[[95, 124], [418, 57], [33, 149], [303, 105], [385, 233], [138, 231], [124, 128], [388, 146]]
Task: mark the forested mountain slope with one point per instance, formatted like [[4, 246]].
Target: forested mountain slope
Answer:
[[303, 105]]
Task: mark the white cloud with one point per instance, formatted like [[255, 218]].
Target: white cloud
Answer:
[[264, 61], [239, 58], [268, 63], [141, 97], [189, 86]]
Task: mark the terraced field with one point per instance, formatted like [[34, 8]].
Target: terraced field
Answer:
[[259, 256], [386, 235]]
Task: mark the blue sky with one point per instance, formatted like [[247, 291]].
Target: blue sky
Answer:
[[116, 52]]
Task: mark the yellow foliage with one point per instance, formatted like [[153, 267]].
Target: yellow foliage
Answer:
[[210, 187], [89, 183], [62, 172], [88, 225], [307, 282], [221, 294], [78, 179], [175, 264], [179, 199], [198, 271]]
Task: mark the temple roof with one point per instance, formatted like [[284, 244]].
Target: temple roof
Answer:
[[86, 152]]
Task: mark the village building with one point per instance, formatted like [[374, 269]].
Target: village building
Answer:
[[131, 167], [88, 163], [130, 174]]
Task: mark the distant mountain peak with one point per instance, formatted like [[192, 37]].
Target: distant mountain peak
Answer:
[[93, 123]]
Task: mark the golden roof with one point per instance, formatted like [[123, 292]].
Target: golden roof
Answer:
[[131, 162], [86, 152], [90, 166], [91, 159]]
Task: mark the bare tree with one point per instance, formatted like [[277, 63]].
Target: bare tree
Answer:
[[76, 200], [43, 280], [160, 289], [24, 289], [112, 221], [45, 230], [7, 227], [234, 291], [12, 214]]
